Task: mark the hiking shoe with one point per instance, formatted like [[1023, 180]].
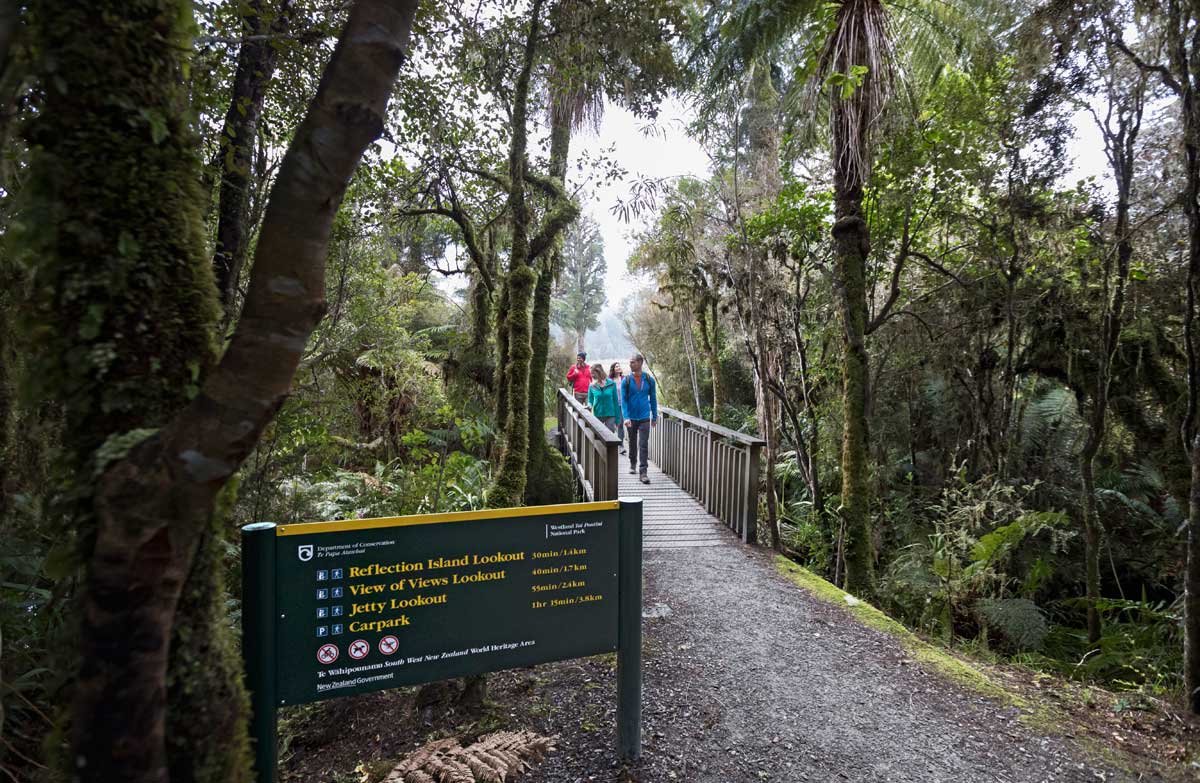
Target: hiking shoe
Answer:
[[644, 479], [632, 470]]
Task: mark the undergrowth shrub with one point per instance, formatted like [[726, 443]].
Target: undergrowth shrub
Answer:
[[1140, 647]]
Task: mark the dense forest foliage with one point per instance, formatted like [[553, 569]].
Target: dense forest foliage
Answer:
[[307, 259]]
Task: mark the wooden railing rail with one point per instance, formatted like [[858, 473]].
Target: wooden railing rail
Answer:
[[716, 465], [590, 446]]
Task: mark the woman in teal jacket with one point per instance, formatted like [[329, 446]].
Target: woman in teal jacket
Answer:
[[602, 398]]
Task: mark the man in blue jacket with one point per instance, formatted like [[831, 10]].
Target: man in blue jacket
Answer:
[[639, 408]]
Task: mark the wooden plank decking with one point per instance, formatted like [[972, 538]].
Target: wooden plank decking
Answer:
[[671, 518]]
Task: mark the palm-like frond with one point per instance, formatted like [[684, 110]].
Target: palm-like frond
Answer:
[[733, 37], [832, 42], [857, 63]]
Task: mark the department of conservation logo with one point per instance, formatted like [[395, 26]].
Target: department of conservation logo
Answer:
[[305, 552]]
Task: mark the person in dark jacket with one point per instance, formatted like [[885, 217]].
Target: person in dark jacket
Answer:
[[639, 405]]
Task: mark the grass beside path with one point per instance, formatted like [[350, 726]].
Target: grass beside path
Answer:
[[936, 658]]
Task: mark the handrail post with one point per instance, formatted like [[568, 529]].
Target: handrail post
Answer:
[[750, 527], [708, 471], [562, 421], [612, 466]]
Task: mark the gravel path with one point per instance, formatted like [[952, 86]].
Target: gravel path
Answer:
[[748, 677]]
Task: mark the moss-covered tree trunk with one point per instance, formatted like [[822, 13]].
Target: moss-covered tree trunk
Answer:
[[503, 376], [850, 242], [859, 34], [1184, 62], [509, 486], [551, 262], [477, 361], [207, 706], [124, 317], [115, 173], [850, 261]]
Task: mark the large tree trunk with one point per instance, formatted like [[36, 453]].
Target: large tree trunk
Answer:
[[207, 706], [1186, 83], [153, 505], [255, 67], [851, 243], [860, 28], [509, 486], [1191, 606]]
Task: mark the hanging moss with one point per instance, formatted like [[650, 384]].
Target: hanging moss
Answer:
[[503, 376], [539, 351], [509, 487]]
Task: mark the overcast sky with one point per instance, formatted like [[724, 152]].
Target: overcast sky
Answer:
[[670, 152]]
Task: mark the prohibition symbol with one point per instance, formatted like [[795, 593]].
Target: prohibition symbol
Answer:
[[389, 645], [359, 649], [327, 653]]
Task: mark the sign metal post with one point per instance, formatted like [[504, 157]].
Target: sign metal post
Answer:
[[258, 643], [629, 632]]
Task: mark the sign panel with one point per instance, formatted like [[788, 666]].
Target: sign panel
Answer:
[[364, 605]]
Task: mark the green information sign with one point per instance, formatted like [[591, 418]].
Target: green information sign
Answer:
[[339, 608]]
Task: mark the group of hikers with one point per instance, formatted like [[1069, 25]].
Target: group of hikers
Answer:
[[623, 403]]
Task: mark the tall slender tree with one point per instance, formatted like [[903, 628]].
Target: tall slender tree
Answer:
[[852, 43], [261, 23], [580, 296]]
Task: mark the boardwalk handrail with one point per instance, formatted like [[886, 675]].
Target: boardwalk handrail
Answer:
[[716, 465], [590, 446]]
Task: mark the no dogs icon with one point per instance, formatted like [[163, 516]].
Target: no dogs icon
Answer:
[[389, 645], [359, 649], [327, 653]]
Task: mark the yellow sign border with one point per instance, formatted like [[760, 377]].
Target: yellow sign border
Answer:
[[337, 526]]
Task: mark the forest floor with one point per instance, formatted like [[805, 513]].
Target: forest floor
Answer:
[[750, 676]]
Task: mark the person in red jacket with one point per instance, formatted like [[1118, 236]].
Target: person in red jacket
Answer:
[[579, 377]]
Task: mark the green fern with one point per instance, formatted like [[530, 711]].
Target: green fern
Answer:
[[1018, 621]]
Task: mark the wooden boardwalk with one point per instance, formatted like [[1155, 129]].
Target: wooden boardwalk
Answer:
[[671, 518], [695, 466]]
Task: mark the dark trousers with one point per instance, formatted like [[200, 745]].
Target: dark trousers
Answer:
[[639, 444]]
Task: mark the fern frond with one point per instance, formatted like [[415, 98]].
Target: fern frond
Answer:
[[493, 758]]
